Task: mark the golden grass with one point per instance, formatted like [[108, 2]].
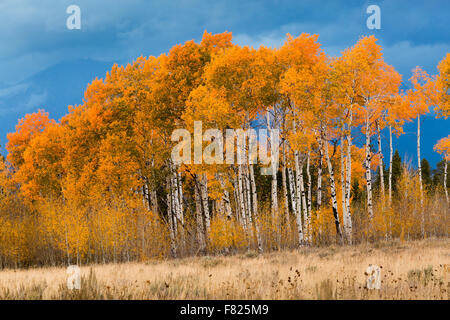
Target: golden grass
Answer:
[[410, 270]]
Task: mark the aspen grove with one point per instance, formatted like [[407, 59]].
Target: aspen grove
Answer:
[[100, 184]]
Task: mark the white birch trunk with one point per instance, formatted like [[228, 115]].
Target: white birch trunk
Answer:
[[308, 173], [391, 155], [227, 202], [244, 196], [304, 207], [241, 198], [297, 185], [170, 219], [146, 197], [176, 207], [380, 153], [219, 207], [204, 195], [274, 194], [226, 198], [180, 195], [248, 199], [333, 194], [292, 191], [319, 183], [343, 171], [236, 197], [174, 202], [219, 203], [319, 175], [367, 162], [199, 216], [177, 199], [285, 191], [297, 214], [445, 180], [349, 228], [419, 167], [255, 208], [297, 176], [154, 200]]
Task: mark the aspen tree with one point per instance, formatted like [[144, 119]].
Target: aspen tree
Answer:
[[102, 184], [443, 148], [373, 80], [442, 99], [420, 98], [442, 87], [273, 193], [301, 83]]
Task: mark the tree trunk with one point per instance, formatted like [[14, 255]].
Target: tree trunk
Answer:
[[146, 196], [218, 206], [180, 199], [348, 181], [274, 193], [368, 173], [174, 202], [199, 216], [381, 168], [226, 198], [445, 180], [333, 194], [298, 195], [170, 219], [419, 168], [343, 203], [255, 208], [305, 210], [176, 199], [292, 191], [236, 197], [248, 199], [391, 154], [204, 195], [241, 198], [419, 165], [177, 208], [319, 184], [244, 195], [319, 175], [297, 184], [285, 191], [294, 200], [180, 195], [154, 199], [309, 200]]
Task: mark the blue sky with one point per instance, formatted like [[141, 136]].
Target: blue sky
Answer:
[[34, 41]]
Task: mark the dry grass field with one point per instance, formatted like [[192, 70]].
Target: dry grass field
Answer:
[[410, 270]]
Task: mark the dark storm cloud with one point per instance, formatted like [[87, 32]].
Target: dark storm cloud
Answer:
[[33, 34]]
